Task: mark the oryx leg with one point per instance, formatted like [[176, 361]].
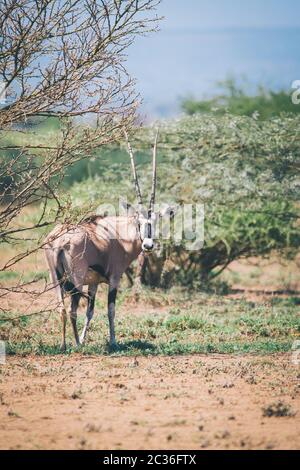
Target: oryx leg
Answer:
[[75, 297], [75, 267], [63, 315], [54, 275], [90, 310], [142, 262], [112, 294]]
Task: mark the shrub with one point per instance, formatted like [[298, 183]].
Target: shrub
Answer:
[[243, 171], [234, 99]]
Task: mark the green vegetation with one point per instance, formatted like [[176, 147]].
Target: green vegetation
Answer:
[[244, 171], [28, 276], [234, 99], [236, 155], [209, 324]]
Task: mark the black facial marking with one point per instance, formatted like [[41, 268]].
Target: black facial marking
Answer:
[[148, 230]]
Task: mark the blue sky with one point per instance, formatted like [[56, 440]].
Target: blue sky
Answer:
[[202, 42], [195, 14]]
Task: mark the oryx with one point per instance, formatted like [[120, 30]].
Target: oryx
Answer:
[[99, 250]]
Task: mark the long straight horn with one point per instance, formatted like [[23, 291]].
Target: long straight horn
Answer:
[[152, 198], [135, 176]]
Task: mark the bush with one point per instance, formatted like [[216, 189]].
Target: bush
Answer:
[[243, 170], [264, 104]]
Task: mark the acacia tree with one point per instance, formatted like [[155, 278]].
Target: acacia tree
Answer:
[[65, 60], [244, 171], [63, 67]]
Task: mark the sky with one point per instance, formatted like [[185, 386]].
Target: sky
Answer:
[[203, 14], [202, 42]]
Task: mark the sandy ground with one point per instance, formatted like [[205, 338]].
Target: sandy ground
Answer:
[[195, 402]]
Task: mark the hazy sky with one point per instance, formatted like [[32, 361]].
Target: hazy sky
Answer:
[[202, 42], [195, 14]]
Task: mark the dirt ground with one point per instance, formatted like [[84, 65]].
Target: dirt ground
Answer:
[[195, 402], [180, 402]]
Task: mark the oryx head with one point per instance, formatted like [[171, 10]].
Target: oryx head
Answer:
[[146, 217]]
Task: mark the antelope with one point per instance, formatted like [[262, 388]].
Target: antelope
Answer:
[[99, 250]]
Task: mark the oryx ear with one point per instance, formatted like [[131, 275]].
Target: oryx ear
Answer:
[[128, 208]]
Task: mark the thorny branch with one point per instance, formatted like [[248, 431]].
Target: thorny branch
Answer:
[[64, 60]]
